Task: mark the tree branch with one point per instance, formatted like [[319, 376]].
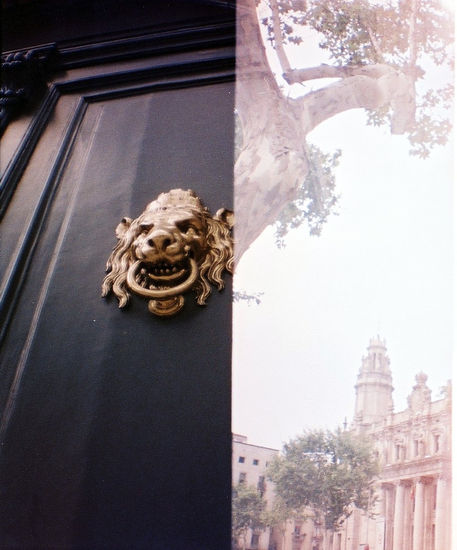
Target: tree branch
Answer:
[[375, 43], [277, 34], [362, 91], [412, 34], [330, 71]]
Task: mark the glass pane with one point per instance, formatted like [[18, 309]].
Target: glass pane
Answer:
[[344, 204]]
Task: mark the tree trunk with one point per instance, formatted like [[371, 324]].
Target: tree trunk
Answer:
[[272, 162]]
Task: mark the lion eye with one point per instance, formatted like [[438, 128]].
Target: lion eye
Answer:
[[188, 228], [146, 227]]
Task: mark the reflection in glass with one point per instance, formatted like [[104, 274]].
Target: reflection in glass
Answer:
[[343, 187]]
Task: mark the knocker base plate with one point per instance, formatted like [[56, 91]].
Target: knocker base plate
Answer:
[[165, 308]]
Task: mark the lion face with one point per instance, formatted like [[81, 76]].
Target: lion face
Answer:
[[172, 247], [167, 238]]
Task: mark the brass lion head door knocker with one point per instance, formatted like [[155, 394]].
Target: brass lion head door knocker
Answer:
[[174, 246]]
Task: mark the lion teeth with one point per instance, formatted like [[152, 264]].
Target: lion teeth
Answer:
[[164, 268]]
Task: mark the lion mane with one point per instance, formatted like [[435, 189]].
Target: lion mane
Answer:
[[214, 257]]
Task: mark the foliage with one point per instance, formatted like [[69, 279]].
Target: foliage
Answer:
[[327, 472], [410, 35], [360, 31], [247, 509], [315, 198]]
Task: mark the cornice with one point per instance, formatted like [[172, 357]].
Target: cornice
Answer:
[[414, 468], [147, 42], [26, 72], [425, 420]]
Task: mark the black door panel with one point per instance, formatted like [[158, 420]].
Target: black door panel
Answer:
[[116, 425]]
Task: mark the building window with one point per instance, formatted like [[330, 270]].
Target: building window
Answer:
[[261, 485], [242, 477], [436, 440], [416, 447], [255, 462], [255, 541], [397, 452], [241, 459]]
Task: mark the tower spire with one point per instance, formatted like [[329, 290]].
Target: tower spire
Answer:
[[374, 385]]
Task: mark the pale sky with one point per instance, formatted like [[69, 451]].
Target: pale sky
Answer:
[[382, 266]]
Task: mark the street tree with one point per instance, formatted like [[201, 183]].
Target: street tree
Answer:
[[326, 473], [248, 507], [380, 55]]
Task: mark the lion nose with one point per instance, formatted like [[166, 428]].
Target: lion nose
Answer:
[[160, 241]]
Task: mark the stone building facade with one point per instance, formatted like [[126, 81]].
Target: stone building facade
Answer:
[[414, 449], [413, 501], [249, 464]]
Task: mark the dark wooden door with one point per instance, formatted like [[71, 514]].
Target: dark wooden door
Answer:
[[116, 424]]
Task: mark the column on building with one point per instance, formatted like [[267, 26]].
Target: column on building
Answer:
[[440, 513], [418, 521], [388, 514], [338, 541], [429, 515], [399, 515], [355, 531]]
